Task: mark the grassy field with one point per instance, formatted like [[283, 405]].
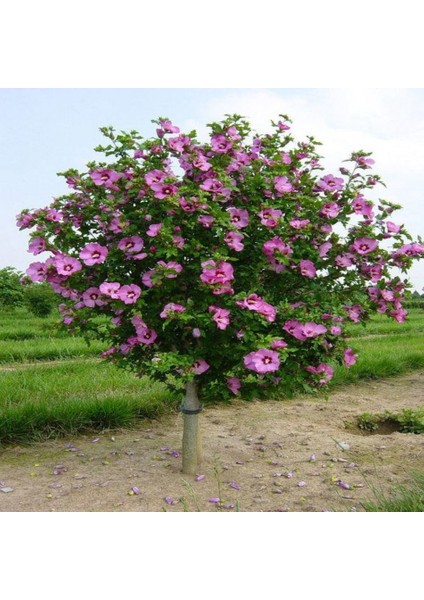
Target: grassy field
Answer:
[[51, 383]]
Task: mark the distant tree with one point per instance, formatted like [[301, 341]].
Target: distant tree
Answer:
[[40, 299], [11, 289]]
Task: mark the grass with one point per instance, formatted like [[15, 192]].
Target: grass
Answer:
[[81, 393], [48, 401], [382, 325], [380, 357], [47, 349], [403, 498]]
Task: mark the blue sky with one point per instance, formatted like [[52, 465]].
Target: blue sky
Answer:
[[44, 131]]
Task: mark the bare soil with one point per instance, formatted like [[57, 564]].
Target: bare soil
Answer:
[[300, 455]]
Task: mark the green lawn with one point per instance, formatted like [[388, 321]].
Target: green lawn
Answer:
[[77, 392]]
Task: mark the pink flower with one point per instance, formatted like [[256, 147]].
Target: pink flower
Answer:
[[178, 241], [218, 275], [307, 268], [106, 177], [354, 312], [399, 314], [269, 216], [234, 384], [201, 163], [220, 144], [199, 367], [196, 333], [282, 185], [278, 344], [221, 316], [233, 239], [311, 330], [206, 221], [154, 229], [146, 336], [324, 248], [167, 127], [363, 207], [93, 254], [414, 249], [294, 328], [326, 372], [299, 223], [110, 289], [330, 210], [364, 245], [262, 361], [274, 248], [335, 330], [131, 245], [258, 304], [163, 190], [91, 297], [171, 309], [329, 183], [344, 260], [37, 271], [239, 217], [391, 227], [170, 269], [349, 358], [65, 265], [37, 245], [129, 294], [154, 176]]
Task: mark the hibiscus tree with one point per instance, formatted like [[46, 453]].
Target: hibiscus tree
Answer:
[[221, 268]]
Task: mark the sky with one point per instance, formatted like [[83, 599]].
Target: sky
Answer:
[[47, 130]]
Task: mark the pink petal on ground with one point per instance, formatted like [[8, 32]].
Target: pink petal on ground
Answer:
[[343, 485], [235, 485], [170, 500], [214, 500], [95, 440], [301, 484], [135, 490], [312, 458], [199, 477]]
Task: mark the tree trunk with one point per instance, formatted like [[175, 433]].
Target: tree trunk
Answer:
[[192, 452]]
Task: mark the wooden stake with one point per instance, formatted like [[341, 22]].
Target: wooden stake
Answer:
[[191, 432]]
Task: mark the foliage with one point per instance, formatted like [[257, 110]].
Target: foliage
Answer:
[[408, 420], [40, 299], [234, 262], [11, 290]]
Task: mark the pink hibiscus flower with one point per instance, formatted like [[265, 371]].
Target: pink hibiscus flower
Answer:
[[93, 254], [262, 361]]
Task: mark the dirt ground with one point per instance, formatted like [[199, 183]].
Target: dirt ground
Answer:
[[291, 456]]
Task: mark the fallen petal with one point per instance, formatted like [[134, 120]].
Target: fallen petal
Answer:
[[301, 484], [170, 500], [135, 490], [228, 505], [289, 475], [343, 485], [235, 485], [199, 477], [214, 500], [312, 458], [94, 440]]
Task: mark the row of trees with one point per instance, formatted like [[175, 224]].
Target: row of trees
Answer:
[[16, 291]]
